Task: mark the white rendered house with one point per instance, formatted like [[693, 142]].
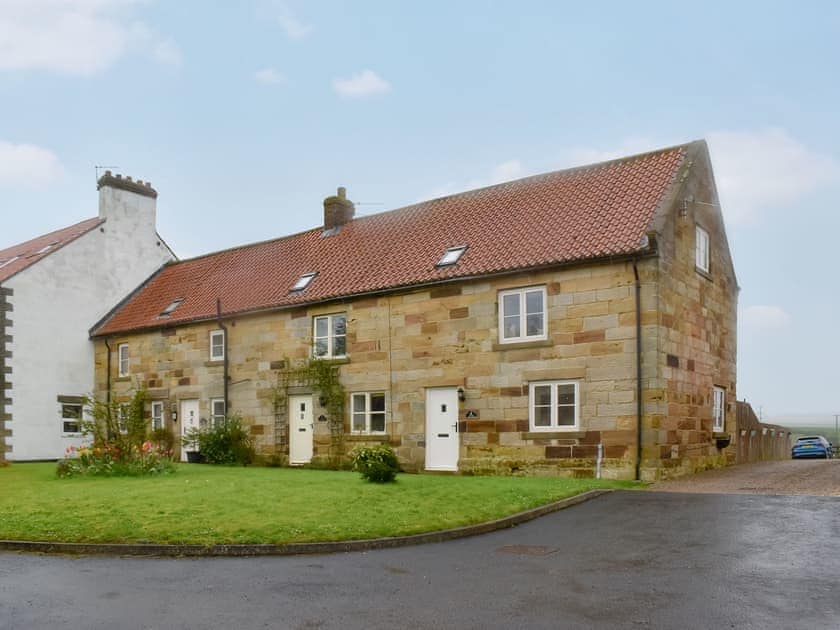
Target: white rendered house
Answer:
[[52, 290]]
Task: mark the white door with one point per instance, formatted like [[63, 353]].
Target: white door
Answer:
[[300, 429], [442, 440], [189, 418]]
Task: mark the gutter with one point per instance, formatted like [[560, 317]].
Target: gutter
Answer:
[[638, 287], [224, 350]]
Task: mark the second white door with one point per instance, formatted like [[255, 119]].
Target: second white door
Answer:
[[442, 443], [301, 426]]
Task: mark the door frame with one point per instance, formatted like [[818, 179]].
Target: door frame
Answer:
[[453, 399], [182, 416], [294, 435]]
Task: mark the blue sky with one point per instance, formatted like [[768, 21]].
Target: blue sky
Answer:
[[245, 115]]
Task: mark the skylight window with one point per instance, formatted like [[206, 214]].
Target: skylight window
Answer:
[[304, 281], [46, 248], [452, 256], [172, 306], [3, 263]]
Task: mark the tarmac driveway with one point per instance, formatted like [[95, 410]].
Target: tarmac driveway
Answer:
[[624, 560], [815, 477]]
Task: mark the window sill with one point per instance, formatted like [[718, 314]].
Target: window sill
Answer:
[[367, 437], [121, 379], [703, 273], [333, 360], [554, 433], [523, 345], [214, 363]]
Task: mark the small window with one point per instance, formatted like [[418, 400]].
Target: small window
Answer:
[[522, 315], [329, 338], [368, 413], [304, 281], [217, 411], [217, 345], [452, 256], [554, 406], [122, 359], [701, 250], [718, 408], [71, 418], [123, 417], [3, 263], [172, 306], [45, 248], [157, 415]]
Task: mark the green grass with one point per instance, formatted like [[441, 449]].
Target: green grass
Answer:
[[212, 505]]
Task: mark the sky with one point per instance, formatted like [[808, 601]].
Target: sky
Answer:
[[245, 115]]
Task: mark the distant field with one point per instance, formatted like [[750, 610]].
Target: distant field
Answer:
[[827, 431]]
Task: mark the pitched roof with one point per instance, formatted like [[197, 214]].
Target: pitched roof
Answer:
[[16, 258], [578, 214]]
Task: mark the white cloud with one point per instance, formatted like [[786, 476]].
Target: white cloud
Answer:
[[28, 165], [757, 170], [502, 172], [269, 76], [361, 84], [764, 317], [294, 28], [79, 37]]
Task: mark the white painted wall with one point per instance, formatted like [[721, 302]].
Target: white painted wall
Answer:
[[56, 301]]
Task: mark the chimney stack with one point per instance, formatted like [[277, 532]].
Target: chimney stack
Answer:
[[338, 210], [128, 202]]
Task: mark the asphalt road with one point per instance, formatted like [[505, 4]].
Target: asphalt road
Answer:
[[625, 560]]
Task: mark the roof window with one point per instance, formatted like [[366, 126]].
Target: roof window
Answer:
[[172, 306], [47, 248], [304, 281], [3, 263], [452, 256]]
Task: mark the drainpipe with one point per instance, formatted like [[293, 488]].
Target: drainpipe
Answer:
[[108, 374], [638, 372], [225, 350]]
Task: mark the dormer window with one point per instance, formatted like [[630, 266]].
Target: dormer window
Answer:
[[172, 306], [304, 281], [452, 256]]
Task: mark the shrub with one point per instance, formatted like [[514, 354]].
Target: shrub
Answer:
[[226, 443], [107, 462], [375, 463]]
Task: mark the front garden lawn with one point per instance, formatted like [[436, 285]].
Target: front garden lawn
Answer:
[[206, 505]]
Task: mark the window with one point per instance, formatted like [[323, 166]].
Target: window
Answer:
[[452, 256], [718, 407], [71, 418], [157, 415], [304, 281], [522, 315], [217, 411], [172, 306], [123, 417], [217, 345], [330, 336], [701, 249], [3, 263], [122, 359], [554, 405], [368, 413]]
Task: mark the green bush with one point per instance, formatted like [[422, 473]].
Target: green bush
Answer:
[[226, 443], [375, 463]]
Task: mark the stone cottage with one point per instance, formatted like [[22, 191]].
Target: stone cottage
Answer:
[[547, 325], [52, 288]]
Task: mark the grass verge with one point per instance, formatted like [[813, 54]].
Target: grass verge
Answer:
[[218, 505]]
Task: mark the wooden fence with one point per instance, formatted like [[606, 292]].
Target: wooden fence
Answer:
[[757, 441]]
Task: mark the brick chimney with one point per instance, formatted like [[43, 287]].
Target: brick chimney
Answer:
[[338, 210], [130, 203]]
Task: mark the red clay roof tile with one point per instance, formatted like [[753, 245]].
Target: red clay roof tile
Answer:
[[565, 216]]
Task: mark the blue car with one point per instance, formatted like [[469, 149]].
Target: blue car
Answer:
[[811, 446]]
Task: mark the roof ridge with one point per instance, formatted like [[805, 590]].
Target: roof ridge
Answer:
[[45, 235]]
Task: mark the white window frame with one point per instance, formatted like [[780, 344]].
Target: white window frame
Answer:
[[701, 249], [718, 409], [77, 420], [523, 316], [216, 419], [123, 360], [213, 346], [330, 336], [553, 406], [367, 413], [451, 256], [157, 415]]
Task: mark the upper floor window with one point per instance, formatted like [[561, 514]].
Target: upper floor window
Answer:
[[368, 413], [217, 345], [122, 359], [522, 315], [718, 406], [330, 336], [217, 411], [71, 418], [701, 249], [554, 405], [157, 415]]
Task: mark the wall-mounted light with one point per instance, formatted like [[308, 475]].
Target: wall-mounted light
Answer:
[[173, 412], [461, 395]]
